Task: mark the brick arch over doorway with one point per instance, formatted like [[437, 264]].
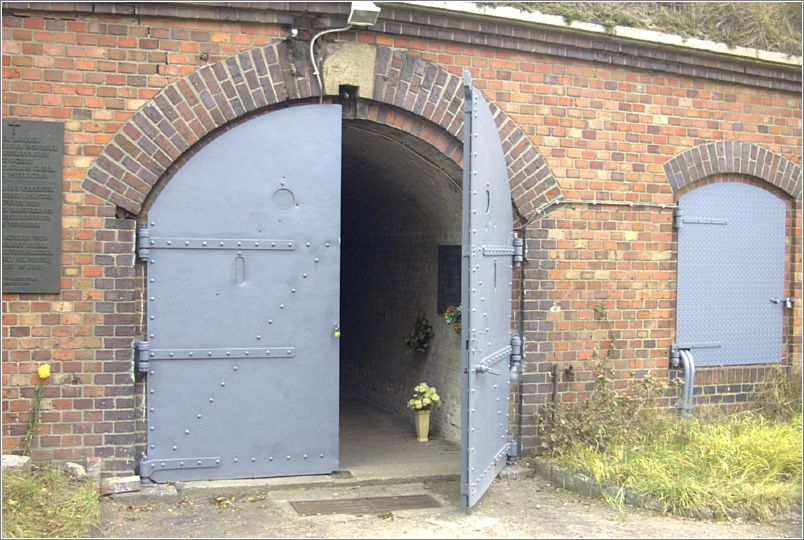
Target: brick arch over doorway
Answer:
[[734, 157], [189, 109]]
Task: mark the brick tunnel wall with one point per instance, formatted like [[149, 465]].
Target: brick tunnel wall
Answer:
[[398, 207], [605, 131]]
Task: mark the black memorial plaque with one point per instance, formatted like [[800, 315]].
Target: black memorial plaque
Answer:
[[32, 175]]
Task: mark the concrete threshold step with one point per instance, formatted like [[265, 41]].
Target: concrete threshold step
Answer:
[[292, 482]]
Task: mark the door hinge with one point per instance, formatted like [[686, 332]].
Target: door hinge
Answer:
[[514, 450], [144, 243], [677, 218], [516, 356], [141, 355], [519, 251]]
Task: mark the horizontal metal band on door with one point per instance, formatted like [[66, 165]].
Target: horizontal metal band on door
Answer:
[[494, 358], [704, 221], [698, 345], [219, 243], [495, 251], [195, 354], [179, 463], [490, 471]]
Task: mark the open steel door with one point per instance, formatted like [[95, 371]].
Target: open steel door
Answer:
[[242, 250], [487, 262]]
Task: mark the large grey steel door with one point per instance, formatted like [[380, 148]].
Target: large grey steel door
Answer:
[[486, 299], [243, 253]]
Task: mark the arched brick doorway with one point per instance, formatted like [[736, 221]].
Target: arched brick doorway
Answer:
[[415, 95], [415, 112]]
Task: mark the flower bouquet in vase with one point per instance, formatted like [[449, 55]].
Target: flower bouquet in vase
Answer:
[[424, 399]]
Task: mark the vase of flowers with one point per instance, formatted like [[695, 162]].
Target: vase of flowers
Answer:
[[424, 399]]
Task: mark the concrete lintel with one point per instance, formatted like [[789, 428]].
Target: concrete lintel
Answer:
[[349, 63]]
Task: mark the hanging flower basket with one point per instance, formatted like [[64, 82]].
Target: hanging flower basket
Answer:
[[453, 317]]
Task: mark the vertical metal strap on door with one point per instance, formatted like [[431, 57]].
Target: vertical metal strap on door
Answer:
[[486, 270]]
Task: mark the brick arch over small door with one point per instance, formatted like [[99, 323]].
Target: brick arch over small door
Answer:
[[734, 157], [187, 110]]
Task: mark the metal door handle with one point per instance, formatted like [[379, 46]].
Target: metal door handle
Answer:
[[485, 369], [788, 302]]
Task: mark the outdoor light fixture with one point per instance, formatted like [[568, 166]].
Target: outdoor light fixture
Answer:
[[363, 14], [360, 14]]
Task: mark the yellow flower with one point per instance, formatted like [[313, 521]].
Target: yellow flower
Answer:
[[435, 397], [44, 371], [426, 401]]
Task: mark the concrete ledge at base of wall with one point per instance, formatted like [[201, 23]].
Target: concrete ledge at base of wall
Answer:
[[571, 480]]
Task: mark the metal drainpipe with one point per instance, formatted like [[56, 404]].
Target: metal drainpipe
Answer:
[[687, 390], [554, 374], [520, 397]]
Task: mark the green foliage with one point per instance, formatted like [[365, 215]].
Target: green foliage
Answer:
[[730, 466], [599, 420], [419, 339], [744, 464], [774, 26], [33, 419], [780, 395], [48, 504]]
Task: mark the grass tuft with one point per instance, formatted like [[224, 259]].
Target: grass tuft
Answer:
[[48, 504], [741, 465], [746, 464]]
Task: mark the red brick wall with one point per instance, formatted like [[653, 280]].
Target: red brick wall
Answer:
[[605, 132], [91, 72]]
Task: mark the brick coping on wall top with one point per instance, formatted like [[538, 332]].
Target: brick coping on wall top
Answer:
[[624, 47]]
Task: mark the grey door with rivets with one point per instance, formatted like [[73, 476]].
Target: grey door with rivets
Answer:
[[242, 300], [731, 251], [487, 257]]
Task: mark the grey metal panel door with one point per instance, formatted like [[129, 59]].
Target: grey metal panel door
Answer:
[[731, 274], [243, 252], [487, 257]]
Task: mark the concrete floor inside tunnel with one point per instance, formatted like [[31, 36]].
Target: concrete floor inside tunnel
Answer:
[[378, 444], [401, 200]]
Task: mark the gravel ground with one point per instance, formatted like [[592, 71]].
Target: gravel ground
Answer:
[[524, 508]]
